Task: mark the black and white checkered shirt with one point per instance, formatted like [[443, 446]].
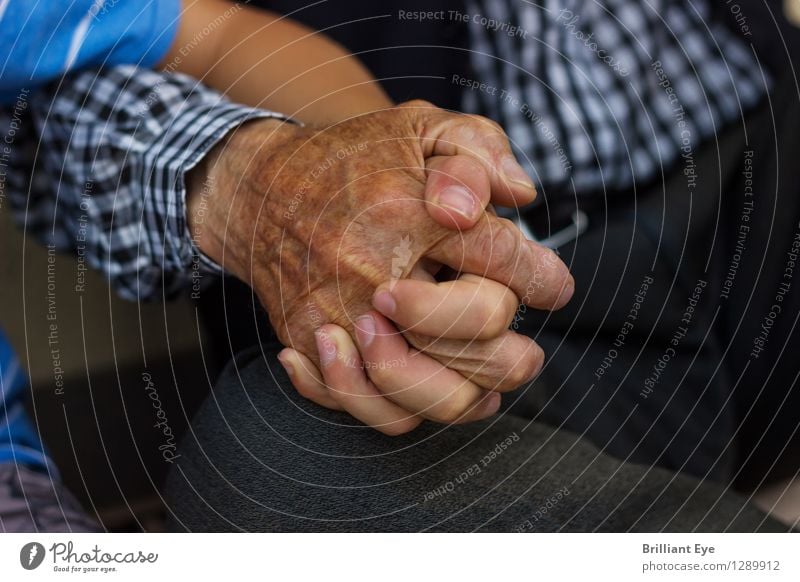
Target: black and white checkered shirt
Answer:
[[597, 94], [593, 95], [108, 181]]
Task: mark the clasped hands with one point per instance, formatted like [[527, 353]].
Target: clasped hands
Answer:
[[373, 247]]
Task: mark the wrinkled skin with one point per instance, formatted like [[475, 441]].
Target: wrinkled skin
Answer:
[[315, 220]]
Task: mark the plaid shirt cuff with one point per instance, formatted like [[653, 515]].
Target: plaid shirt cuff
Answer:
[[110, 185], [193, 134]]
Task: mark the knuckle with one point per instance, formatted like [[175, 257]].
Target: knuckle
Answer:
[[487, 123], [511, 305], [522, 367], [503, 246], [459, 167], [553, 263], [530, 365], [515, 376], [493, 319], [537, 362], [549, 277], [418, 104]]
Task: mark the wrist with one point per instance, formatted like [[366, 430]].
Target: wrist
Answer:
[[221, 220]]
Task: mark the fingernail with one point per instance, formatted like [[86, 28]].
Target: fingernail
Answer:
[[284, 360], [384, 302], [326, 347], [514, 172], [365, 331], [458, 199]]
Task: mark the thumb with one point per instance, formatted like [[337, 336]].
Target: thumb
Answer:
[[457, 191], [443, 133]]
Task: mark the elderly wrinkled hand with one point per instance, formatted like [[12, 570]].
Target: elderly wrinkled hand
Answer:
[[327, 224]]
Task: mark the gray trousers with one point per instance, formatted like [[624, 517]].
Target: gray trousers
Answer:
[[261, 458]]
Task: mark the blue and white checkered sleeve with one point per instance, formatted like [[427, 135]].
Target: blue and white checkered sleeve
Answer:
[[117, 145]]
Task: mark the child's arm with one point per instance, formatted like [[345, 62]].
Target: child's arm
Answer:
[[261, 59]]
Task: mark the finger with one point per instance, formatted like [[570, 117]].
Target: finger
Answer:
[[457, 190], [448, 134], [349, 386], [306, 378], [500, 364], [496, 249], [424, 270], [415, 381], [470, 307]]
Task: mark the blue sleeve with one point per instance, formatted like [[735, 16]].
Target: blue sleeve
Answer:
[[42, 40]]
